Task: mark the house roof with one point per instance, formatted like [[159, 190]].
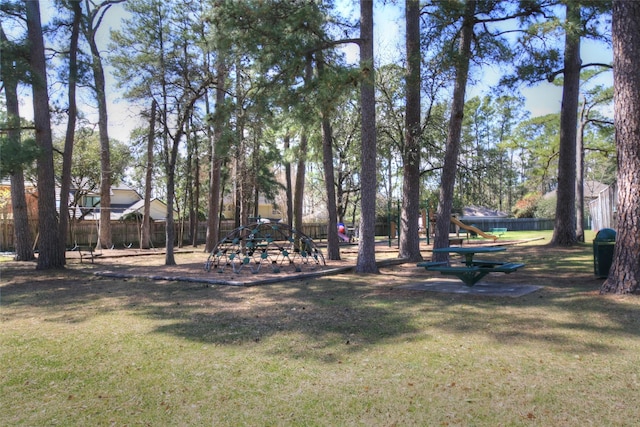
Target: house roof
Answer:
[[158, 209], [481, 211], [591, 190]]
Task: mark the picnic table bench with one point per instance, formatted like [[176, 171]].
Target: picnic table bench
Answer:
[[498, 231], [473, 270], [83, 249]]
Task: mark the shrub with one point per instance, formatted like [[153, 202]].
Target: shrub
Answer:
[[526, 207]]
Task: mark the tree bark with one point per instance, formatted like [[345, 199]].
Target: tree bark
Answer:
[[23, 241], [67, 156], [333, 246], [445, 201], [287, 174], [215, 176], [145, 235], [580, 173], [624, 276], [50, 255], [366, 262], [564, 231], [301, 168], [170, 170], [104, 228], [409, 237], [195, 195]]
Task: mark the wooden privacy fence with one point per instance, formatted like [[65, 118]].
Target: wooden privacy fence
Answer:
[[603, 209], [511, 224], [125, 234]]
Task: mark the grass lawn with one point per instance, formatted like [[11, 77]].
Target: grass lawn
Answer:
[[83, 350]]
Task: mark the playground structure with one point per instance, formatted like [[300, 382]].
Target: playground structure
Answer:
[[344, 234], [472, 229], [273, 246], [461, 225]]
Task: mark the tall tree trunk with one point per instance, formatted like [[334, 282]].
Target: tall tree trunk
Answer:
[[145, 237], [409, 237], [298, 190], [50, 254], [23, 241], [255, 185], [170, 232], [366, 262], [580, 173], [241, 216], [238, 184], [196, 196], [333, 246], [564, 231], [287, 175], [301, 169], [624, 276], [67, 156], [189, 172], [170, 170], [217, 149], [104, 229], [445, 202]]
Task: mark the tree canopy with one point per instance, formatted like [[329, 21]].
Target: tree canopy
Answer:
[[260, 100]]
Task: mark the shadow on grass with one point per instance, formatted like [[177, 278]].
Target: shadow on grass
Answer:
[[329, 317]]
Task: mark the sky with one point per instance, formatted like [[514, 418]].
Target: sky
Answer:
[[542, 99]]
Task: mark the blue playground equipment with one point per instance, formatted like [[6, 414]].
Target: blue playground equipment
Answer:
[[273, 246]]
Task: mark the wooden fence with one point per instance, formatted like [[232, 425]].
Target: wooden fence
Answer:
[[511, 224], [603, 209], [127, 233]]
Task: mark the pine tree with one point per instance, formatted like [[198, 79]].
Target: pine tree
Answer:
[[624, 276], [50, 252]]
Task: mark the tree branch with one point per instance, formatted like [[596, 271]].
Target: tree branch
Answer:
[[551, 77]]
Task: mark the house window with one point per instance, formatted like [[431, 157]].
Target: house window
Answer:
[[91, 201]]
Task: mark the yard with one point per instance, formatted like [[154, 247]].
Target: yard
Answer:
[[79, 349]]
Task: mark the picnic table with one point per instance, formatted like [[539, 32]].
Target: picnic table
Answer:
[[473, 270]]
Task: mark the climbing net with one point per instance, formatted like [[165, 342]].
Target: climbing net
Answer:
[[272, 246]]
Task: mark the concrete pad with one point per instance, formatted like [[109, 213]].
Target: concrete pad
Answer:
[[481, 288]]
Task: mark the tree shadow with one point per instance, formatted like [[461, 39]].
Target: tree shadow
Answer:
[[328, 318]]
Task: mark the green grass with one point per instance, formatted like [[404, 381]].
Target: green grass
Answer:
[[79, 350]]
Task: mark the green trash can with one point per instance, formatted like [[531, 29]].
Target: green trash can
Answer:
[[603, 246]]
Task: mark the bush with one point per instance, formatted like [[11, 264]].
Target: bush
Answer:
[[546, 207], [526, 207]]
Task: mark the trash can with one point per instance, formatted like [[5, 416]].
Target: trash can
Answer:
[[603, 246]]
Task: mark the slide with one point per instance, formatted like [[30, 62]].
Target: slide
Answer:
[[473, 229], [342, 232]]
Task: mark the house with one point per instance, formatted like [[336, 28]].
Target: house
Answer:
[[591, 191], [125, 202], [6, 208], [266, 209]]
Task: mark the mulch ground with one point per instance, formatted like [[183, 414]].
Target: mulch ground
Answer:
[[191, 263], [396, 276], [190, 266]]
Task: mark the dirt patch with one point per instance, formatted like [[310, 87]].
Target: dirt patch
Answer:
[[546, 267], [191, 266]]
